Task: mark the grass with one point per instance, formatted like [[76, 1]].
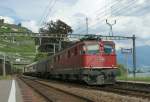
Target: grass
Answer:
[[21, 45], [18, 47], [24, 46], [143, 79], [10, 28], [7, 77]]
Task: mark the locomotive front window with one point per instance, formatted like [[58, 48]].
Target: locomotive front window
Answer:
[[108, 49], [93, 49]]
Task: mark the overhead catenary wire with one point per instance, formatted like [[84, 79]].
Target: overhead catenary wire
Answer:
[[126, 7], [45, 12], [115, 9], [102, 19], [131, 11], [49, 11], [101, 10]]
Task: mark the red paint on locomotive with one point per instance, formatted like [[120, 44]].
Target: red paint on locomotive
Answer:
[[87, 54], [93, 62]]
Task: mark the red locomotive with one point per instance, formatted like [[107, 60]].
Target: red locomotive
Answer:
[[91, 61]]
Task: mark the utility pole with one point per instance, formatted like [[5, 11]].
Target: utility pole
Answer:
[[54, 48], [40, 40], [134, 57], [4, 67], [87, 28], [40, 43], [60, 43], [110, 25]]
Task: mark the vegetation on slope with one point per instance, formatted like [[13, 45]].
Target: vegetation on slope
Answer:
[[12, 28]]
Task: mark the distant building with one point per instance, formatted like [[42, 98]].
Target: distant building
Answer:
[[14, 29], [2, 21], [7, 66], [4, 27], [19, 25]]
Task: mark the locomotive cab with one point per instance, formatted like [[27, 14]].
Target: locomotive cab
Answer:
[[99, 62]]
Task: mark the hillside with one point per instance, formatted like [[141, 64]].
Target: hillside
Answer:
[[4, 27], [18, 48]]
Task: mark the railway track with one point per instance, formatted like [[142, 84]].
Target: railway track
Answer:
[[28, 94], [118, 89], [126, 91], [53, 94], [122, 88]]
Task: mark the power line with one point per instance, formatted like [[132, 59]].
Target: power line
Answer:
[[104, 8], [131, 4], [87, 29], [45, 11], [135, 8], [114, 10], [103, 12], [49, 11], [117, 11]]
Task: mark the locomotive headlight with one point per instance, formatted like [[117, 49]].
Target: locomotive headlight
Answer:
[[84, 48], [112, 50]]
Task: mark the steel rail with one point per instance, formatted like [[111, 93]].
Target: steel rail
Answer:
[[116, 88], [57, 89]]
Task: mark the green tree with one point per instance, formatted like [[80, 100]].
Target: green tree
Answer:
[[122, 71], [58, 28], [40, 56]]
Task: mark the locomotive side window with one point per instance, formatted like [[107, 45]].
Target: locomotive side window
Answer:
[[75, 51], [69, 54], [93, 49], [108, 49], [55, 59], [82, 52], [58, 57]]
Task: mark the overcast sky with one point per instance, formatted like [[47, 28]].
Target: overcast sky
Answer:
[[133, 16]]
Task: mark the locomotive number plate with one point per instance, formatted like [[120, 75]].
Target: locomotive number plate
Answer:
[[100, 59]]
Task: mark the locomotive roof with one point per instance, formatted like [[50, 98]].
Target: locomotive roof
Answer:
[[83, 42]]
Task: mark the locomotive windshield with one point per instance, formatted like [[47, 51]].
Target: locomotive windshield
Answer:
[[93, 49], [108, 49]]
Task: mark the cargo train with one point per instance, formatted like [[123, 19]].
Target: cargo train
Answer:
[[90, 61]]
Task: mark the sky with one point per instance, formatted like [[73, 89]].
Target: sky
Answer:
[[132, 16]]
